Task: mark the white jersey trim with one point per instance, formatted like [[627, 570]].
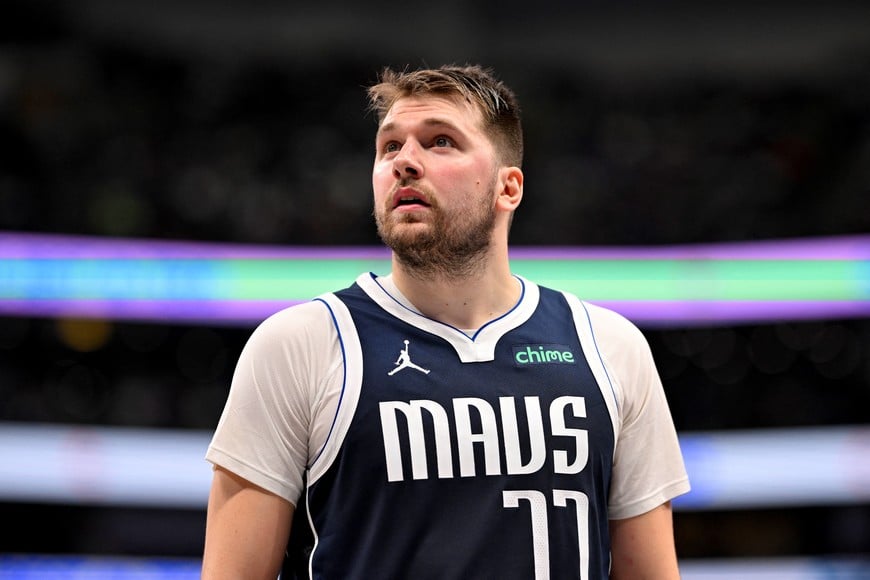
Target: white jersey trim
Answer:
[[351, 352], [585, 332], [477, 348]]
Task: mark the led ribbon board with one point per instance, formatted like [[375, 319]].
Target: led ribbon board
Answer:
[[165, 281]]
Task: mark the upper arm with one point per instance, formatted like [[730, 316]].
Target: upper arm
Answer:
[[247, 529], [648, 467], [643, 546], [282, 401]]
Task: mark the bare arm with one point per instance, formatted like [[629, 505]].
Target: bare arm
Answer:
[[246, 530], [643, 546]]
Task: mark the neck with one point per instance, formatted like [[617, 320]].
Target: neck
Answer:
[[466, 301]]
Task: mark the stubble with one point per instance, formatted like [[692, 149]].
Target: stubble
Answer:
[[452, 247]]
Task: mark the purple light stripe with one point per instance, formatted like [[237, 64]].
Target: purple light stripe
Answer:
[[31, 245], [821, 248], [245, 313], [233, 312], [44, 246], [671, 313]]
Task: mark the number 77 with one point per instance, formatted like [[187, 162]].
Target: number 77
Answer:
[[540, 526]]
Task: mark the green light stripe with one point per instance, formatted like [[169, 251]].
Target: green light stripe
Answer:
[[727, 280], [302, 279], [293, 279], [700, 279]]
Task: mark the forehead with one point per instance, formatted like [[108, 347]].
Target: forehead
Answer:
[[429, 109]]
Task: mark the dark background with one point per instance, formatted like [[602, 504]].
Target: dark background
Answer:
[[647, 123]]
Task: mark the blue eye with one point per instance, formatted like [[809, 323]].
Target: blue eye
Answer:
[[442, 142]]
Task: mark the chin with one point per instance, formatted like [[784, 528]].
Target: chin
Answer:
[[406, 235]]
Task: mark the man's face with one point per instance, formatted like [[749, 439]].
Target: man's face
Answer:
[[434, 180]]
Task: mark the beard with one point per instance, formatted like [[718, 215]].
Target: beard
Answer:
[[452, 247]]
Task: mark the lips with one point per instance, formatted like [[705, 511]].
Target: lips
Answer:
[[408, 197]]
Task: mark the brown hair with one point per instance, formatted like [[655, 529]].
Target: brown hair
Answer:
[[476, 85]]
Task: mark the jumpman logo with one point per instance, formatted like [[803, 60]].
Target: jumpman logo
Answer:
[[404, 362]]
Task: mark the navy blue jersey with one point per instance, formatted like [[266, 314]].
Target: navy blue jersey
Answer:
[[463, 457]]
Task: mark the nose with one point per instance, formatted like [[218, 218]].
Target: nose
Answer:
[[407, 162]]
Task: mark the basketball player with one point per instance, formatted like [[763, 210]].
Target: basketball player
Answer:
[[450, 420]]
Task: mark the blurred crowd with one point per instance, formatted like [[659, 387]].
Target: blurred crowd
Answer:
[[109, 140], [106, 139]]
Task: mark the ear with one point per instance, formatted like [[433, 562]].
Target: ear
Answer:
[[511, 192]]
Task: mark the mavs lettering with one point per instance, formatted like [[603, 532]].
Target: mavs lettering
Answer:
[[457, 425]]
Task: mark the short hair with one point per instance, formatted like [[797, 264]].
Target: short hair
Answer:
[[478, 86]]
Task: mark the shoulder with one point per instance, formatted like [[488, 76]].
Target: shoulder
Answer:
[[307, 325], [621, 344], [305, 313], [612, 328]]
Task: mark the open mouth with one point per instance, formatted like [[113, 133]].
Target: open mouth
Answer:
[[406, 201], [409, 198]]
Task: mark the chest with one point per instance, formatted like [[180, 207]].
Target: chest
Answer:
[[535, 409]]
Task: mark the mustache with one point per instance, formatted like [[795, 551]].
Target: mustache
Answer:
[[407, 182]]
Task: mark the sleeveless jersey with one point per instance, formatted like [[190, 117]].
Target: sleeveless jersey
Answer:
[[457, 457]]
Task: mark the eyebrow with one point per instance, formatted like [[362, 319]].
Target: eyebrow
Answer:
[[430, 122]]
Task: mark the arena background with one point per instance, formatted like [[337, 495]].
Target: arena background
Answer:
[[136, 136]]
